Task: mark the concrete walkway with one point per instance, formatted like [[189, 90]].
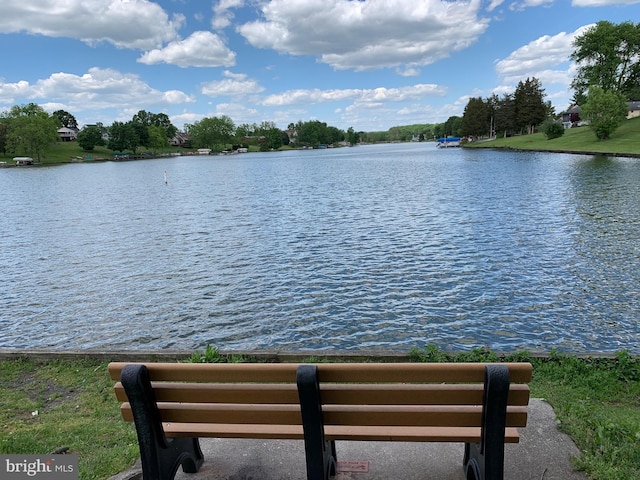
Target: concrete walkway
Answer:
[[542, 454]]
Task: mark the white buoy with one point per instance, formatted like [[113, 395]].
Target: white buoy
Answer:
[[165, 178]]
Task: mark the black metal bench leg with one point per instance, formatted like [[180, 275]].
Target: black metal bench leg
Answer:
[[320, 453], [485, 461], [160, 456]]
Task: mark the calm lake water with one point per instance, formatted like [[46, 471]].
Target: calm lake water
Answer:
[[375, 247]]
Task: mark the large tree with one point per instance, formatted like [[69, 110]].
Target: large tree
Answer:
[[604, 110], [476, 119], [211, 132], [530, 107], [65, 119], [608, 55], [123, 137], [30, 130], [89, 137]]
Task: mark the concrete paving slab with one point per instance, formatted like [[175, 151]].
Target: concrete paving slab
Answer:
[[544, 453]]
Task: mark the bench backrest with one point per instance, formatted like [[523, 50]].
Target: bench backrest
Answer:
[[352, 394]]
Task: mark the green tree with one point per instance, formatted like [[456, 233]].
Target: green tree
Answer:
[[313, 133], [272, 139], [476, 118], [211, 132], [530, 107], [452, 126], [30, 130], [352, 136], [143, 120], [604, 110], [608, 55], [65, 119], [552, 129], [90, 137], [157, 137], [504, 117], [123, 137]]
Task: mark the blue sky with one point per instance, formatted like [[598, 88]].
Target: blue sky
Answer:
[[369, 64]]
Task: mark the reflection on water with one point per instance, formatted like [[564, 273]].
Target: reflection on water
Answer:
[[375, 247]]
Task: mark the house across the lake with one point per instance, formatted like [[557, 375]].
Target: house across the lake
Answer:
[[68, 134], [571, 118]]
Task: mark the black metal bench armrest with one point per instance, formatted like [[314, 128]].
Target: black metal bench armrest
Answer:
[[160, 456]]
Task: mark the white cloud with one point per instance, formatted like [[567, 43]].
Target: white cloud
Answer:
[[136, 24], [376, 96], [235, 84], [96, 89], [223, 14], [367, 34], [494, 4], [539, 57], [200, 49]]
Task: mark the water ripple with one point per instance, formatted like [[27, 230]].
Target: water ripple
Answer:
[[380, 247]]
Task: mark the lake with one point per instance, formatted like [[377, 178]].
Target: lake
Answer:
[[381, 247]]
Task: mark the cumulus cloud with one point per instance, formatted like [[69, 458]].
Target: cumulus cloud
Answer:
[[235, 84], [222, 14], [367, 34], [135, 24], [200, 49], [99, 88], [546, 58], [375, 96]]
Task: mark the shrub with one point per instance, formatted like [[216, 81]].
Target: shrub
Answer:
[[552, 129]]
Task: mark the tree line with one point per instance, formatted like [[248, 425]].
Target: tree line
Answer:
[[30, 130]]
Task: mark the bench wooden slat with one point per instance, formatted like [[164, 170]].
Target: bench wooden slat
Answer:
[[221, 430], [413, 434], [219, 393], [293, 432], [416, 372], [419, 416], [214, 372], [354, 394], [334, 372], [224, 413], [354, 415], [416, 394]]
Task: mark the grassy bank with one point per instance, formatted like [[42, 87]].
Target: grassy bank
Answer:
[[48, 405], [625, 140]]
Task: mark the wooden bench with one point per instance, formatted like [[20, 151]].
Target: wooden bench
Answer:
[[173, 404]]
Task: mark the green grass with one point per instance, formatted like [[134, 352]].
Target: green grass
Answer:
[[47, 406], [597, 401], [625, 140]]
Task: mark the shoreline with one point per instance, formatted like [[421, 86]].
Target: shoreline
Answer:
[[570, 152], [268, 356]]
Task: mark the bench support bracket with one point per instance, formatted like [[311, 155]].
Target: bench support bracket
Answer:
[[485, 460], [320, 453], [160, 456]]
